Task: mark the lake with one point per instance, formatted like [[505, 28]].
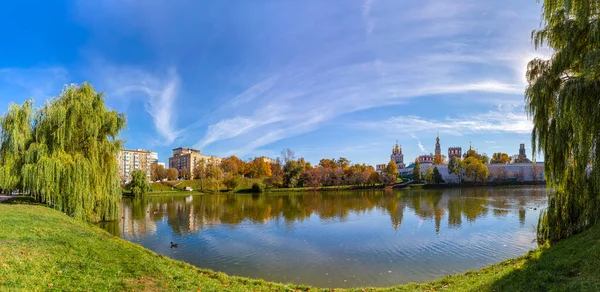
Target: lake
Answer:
[[338, 239]]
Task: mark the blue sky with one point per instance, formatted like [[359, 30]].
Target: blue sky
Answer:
[[249, 78]]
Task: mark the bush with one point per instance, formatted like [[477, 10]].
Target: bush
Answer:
[[258, 187]]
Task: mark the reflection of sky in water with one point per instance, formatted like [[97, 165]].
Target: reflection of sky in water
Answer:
[[360, 248]]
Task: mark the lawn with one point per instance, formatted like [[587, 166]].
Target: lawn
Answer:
[[43, 249]]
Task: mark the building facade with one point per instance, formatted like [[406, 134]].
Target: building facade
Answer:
[[397, 156], [454, 152], [426, 159], [522, 151], [130, 160], [188, 158]]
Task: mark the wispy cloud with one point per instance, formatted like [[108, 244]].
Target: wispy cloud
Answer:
[[419, 143], [160, 93], [330, 61], [503, 119]]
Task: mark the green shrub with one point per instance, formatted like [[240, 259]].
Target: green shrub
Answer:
[[258, 187]]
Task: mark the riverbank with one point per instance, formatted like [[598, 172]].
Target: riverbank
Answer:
[[41, 248]]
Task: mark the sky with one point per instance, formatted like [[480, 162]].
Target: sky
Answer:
[[340, 78]]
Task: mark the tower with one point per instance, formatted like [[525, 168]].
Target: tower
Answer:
[[438, 149], [522, 150], [397, 156]]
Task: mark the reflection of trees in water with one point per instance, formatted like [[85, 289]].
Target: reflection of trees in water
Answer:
[[200, 212]]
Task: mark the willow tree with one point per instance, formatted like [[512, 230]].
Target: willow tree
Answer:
[[15, 136], [563, 100], [70, 162]]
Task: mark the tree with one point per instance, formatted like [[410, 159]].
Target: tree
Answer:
[[292, 172], [375, 178], [482, 173], [562, 100], [16, 136], [455, 167], [214, 176], [172, 174], [439, 159], [429, 175], [500, 157], [521, 159], [391, 173], [157, 172], [288, 154], [276, 178], [437, 176], [314, 177], [417, 171], [232, 165], [65, 155], [231, 182], [475, 170], [139, 183]]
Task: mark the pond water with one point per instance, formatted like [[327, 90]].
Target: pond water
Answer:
[[339, 239]]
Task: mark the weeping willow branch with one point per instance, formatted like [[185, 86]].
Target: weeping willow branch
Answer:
[[65, 153], [563, 100]]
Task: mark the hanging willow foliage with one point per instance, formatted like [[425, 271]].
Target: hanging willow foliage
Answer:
[[563, 99], [67, 157]]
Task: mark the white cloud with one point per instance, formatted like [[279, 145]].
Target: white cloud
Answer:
[[503, 119], [160, 92], [419, 143]]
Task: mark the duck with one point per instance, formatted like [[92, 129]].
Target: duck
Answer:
[[174, 245]]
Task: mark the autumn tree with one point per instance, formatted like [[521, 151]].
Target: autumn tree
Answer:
[[157, 172], [475, 170], [276, 178], [391, 173], [214, 176], [313, 178], [500, 157], [375, 178], [439, 159], [232, 165], [416, 172], [172, 174]]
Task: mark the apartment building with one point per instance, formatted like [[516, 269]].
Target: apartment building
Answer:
[[130, 160], [188, 158]]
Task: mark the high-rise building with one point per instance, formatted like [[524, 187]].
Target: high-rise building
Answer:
[[397, 156], [188, 158], [130, 160]]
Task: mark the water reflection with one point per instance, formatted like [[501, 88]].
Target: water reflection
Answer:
[[429, 233]]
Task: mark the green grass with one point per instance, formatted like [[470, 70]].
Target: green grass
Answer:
[[41, 248]]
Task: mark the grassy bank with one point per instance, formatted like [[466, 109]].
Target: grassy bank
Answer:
[[41, 248]]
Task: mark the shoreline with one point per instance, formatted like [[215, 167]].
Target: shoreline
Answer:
[[65, 253]]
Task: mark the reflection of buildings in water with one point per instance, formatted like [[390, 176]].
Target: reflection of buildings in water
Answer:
[[136, 227], [191, 214]]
